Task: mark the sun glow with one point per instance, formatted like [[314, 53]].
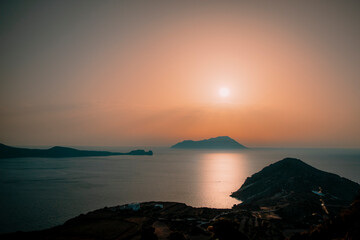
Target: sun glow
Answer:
[[224, 92]]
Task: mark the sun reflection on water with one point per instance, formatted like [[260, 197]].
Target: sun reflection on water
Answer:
[[221, 174]]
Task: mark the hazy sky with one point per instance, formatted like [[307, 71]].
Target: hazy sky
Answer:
[[148, 73]]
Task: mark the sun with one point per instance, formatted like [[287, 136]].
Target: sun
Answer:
[[224, 92]]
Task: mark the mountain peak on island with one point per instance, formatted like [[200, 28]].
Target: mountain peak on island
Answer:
[[221, 142], [225, 138], [293, 166]]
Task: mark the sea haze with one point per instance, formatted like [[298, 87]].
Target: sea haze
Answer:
[[37, 193]]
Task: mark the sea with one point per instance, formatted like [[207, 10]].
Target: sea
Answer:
[[38, 193]]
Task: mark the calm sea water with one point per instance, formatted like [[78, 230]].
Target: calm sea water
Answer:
[[37, 193]]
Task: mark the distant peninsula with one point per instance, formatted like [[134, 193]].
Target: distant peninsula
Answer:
[[59, 152], [223, 142]]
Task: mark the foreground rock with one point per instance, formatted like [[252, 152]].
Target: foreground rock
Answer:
[[343, 226], [169, 220], [161, 220], [152, 220], [59, 152], [223, 142]]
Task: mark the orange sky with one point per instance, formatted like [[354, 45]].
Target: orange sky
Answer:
[[150, 74]]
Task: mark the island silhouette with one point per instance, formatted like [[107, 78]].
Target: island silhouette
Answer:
[[60, 152], [221, 142]]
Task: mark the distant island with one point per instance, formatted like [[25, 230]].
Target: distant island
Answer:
[[59, 152], [223, 142]]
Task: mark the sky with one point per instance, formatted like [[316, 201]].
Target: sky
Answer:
[[148, 73]]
